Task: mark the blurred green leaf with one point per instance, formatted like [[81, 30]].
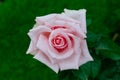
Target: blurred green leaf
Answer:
[[90, 69], [80, 74], [109, 49], [67, 75], [92, 38], [110, 74], [95, 68]]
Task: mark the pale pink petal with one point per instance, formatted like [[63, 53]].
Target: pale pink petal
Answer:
[[79, 15], [66, 18], [56, 23], [77, 29], [69, 27], [41, 20], [60, 55], [85, 56], [31, 48], [35, 32], [42, 45], [44, 59], [70, 63], [76, 43]]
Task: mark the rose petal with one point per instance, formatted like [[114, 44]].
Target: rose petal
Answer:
[[70, 27], [60, 55], [79, 15], [43, 58], [85, 56], [41, 20], [78, 30], [76, 43], [35, 32], [31, 49], [56, 23], [66, 18], [70, 63], [42, 45]]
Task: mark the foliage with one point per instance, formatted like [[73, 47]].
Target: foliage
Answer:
[[17, 17]]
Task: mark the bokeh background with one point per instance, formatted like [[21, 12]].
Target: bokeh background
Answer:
[[17, 17]]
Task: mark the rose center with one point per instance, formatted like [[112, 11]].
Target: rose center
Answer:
[[59, 43]]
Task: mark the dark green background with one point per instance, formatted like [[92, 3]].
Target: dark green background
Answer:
[[17, 17]]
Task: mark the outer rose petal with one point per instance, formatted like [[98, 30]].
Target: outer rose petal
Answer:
[[41, 20], [71, 27], [66, 18], [51, 18], [79, 15], [78, 30], [44, 59], [34, 34], [70, 63], [31, 48], [85, 56], [76, 42], [42, 45]]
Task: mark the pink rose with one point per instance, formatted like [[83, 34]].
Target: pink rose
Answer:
[[58, 40]]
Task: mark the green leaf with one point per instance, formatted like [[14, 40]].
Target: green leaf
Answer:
[[109, 49], [65, 78], [90, 69], [67, 75], [95, 68], [110, 74], [80, 74], [92, 38], [63, 75], [86, 68]]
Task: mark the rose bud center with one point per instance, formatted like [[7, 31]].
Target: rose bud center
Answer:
[[59, 43]]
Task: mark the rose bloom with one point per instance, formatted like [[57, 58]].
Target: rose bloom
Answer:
[[59, 40]]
